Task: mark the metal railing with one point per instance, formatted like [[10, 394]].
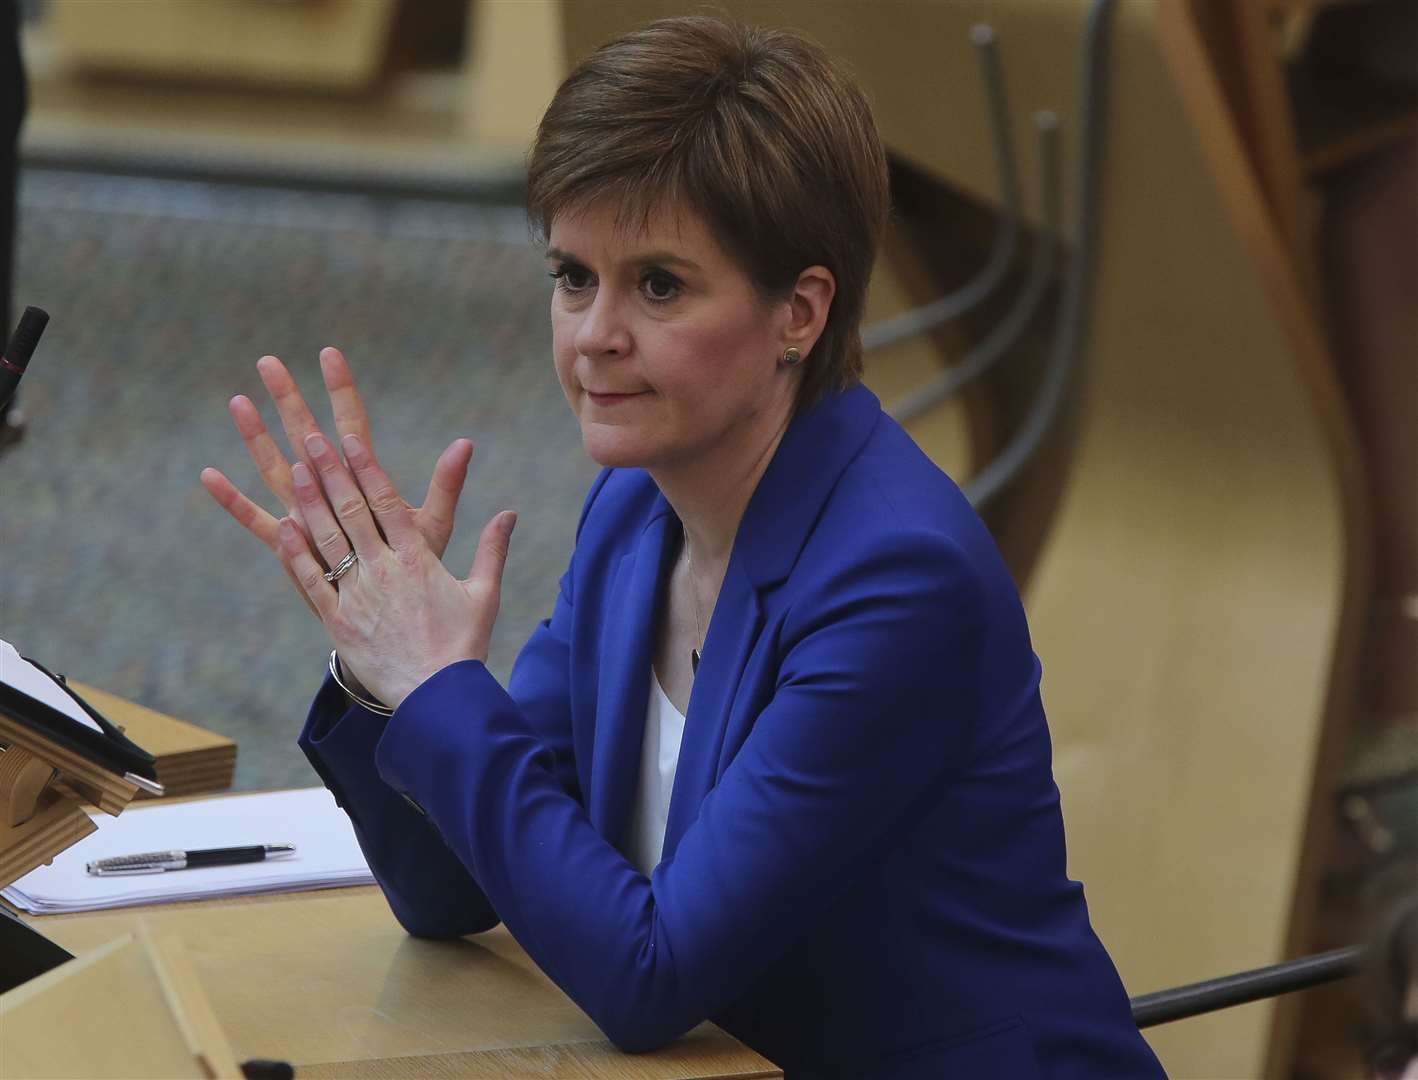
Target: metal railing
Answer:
[[1194, 999]]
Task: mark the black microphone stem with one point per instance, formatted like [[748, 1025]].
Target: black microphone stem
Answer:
[[16, 357]]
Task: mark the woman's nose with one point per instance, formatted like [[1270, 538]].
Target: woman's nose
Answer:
[[602, 330]]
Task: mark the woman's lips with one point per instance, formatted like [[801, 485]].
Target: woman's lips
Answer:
[[610, 399]]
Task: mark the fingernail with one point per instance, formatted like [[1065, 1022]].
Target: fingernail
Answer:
[[317, 446], [300, 474], [287, 529], [354, 449], [513, 523]]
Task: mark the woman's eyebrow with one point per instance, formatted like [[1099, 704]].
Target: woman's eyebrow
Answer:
[[665, 258], [649, 258]]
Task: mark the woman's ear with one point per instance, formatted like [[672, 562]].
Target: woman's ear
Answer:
[[809, 304]]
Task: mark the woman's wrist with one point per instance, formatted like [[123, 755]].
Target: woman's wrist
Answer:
[[353, 689]]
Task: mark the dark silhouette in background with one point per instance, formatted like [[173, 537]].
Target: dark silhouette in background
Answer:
[[1393, 973], [13, 100]]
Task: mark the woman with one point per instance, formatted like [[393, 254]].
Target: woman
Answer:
[[836, 834]]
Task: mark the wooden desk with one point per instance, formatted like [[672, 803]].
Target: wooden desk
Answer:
[[190, 760], [330, 982]]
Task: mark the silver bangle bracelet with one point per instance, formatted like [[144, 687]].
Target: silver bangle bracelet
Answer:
[[372, 706]]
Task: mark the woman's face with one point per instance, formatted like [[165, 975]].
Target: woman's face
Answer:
[[665, 351]]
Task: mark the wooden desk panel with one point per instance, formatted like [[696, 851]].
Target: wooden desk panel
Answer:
[[331, 983]]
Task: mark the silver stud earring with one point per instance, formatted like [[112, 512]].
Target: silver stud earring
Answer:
[[791, 357]]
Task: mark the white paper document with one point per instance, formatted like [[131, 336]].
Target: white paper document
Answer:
[[18, 672], [326, 853]]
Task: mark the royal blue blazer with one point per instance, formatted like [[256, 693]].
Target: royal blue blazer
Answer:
[[863, 872]]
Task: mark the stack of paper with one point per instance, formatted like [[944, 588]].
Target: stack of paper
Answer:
[[326, 853], [190, 759]]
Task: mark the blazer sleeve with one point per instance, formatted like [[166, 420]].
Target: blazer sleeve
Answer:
[[874, 705], [429, 889]]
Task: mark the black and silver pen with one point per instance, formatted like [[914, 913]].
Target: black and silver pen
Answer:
[[155, 862]]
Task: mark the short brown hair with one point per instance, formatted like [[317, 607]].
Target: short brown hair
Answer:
[[757, 130]]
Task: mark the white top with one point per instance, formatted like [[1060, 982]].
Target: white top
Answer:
[[659, 758]]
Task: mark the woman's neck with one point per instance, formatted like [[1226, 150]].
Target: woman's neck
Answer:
[[710, 495]]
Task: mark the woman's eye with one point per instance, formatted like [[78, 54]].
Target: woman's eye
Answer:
[[660, 286], [572, 278]]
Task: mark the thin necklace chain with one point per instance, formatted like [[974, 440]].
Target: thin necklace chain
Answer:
[[694, 599]]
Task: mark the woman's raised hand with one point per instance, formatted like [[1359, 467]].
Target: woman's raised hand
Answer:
[[393, 611], [433, 520]]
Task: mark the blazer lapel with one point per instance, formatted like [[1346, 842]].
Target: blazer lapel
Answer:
[[733, 630], [816, 448], [627, 642], [814, 451]]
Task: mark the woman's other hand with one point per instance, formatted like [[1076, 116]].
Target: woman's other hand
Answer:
[[396, 616], [433, 520]]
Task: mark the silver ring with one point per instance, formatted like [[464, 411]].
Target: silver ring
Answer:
[[333, 575]]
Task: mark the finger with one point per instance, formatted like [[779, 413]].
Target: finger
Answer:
[[296, 582], [491, 557], [295, 415], [440, 505], [484, 584], [322, 527], [309, 575], [380, 495], [251, 518], [267, 456], [345, 497], [351, 417], [246, 513], [345, 401]]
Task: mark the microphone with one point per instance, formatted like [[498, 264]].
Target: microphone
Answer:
[[17, 354]]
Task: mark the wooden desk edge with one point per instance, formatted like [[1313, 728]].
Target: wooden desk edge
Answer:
[[505, 1063], [585, 1059]]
